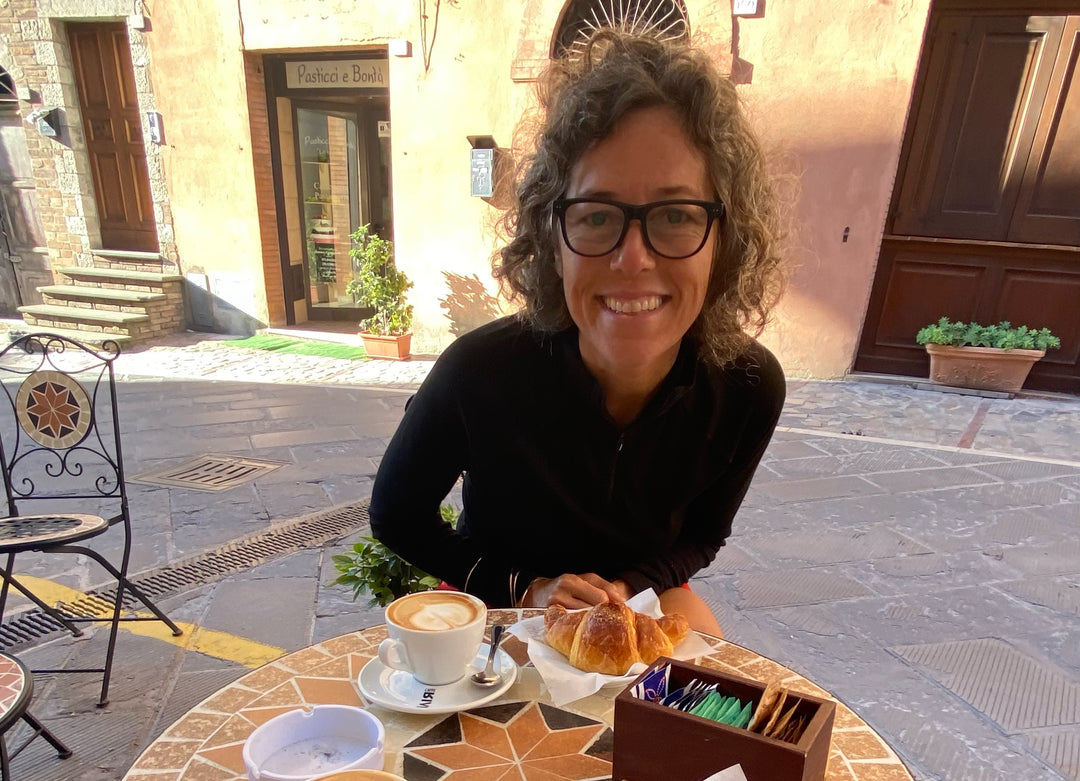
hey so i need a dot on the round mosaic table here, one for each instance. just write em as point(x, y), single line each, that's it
point(518, 736)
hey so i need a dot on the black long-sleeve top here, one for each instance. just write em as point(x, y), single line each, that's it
point(551, 483)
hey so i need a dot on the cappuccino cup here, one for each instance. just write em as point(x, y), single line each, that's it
point(434, 635)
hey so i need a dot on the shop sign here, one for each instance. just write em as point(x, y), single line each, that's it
point(337, 74)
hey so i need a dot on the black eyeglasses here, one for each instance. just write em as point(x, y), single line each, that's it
point(672, 229)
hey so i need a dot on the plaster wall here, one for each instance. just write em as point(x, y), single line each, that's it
point(199, 89)
point(830, 93)
point(463, 89)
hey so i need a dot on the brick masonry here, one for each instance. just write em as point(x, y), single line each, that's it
point(39, 62)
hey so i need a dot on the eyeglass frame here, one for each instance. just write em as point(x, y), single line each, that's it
point(716, 211)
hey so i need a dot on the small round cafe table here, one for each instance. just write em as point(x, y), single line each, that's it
point(516, 737)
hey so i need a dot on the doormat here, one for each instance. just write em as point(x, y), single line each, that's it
point(209, 472)
point(289, 346)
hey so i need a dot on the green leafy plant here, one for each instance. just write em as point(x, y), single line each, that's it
point(374, 569)
point(379, 284)
point(1003, 336)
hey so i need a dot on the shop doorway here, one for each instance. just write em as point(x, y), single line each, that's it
point(343, 181)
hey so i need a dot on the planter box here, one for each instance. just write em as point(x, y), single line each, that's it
point(982, 368)
point(393, 348)
point(654, 742)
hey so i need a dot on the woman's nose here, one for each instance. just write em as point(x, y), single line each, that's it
point(633, 255)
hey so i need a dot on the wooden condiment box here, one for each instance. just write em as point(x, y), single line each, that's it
point(655, 742)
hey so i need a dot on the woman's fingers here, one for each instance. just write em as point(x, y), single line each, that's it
point(573, 591)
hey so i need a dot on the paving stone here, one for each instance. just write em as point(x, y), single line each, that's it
point(1013, 688)
point(792, 449)
point(1056, 593)
point(930, 479)
point(819, 488)
point(1059, 559)
point(802, 587)
point(1060, 748)
point(274, 611)
point(907, 576)
point(733, 558)
point(944, 615)
point(828, 547)
point(1028, 470)
point(936, 732)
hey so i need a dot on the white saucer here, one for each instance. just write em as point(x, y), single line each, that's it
point(398, 690)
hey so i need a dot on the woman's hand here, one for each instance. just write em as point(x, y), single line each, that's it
point(574, 591)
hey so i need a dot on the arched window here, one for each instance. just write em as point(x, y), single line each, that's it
point(666, 17)
point(9, 100)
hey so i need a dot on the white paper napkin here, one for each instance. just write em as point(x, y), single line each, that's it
point(565, 682)
point(733, 773)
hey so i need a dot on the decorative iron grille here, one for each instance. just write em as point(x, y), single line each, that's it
point(664, 18)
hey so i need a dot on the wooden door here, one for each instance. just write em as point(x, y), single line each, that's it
point(985, 223)
point(110, 109)
point(24, 265)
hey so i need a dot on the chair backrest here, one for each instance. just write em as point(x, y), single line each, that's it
point(59, 429)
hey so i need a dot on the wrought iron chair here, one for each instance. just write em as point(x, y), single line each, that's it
point(60, 447)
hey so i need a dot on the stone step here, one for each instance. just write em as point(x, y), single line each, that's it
point(86, 337)
point(92, 316)
point(86, 293)
point(134, 277)
point(127, 254)
point(147, 262)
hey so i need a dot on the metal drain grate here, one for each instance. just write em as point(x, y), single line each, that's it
point(209, 472)
point(308, 531)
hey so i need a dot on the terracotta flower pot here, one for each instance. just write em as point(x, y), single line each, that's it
point(393, 348)
point(981, 368)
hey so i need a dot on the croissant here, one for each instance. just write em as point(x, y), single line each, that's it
point(610, 637)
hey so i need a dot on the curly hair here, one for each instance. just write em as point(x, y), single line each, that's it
point(582, 100)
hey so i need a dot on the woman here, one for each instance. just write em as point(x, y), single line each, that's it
point(608, 433)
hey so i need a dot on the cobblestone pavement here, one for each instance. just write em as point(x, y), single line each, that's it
point(1033, 426)
point(915, 552)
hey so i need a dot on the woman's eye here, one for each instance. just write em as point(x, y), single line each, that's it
point(596, 219)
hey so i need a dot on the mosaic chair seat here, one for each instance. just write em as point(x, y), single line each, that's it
point(60, 448)
point(16, 691)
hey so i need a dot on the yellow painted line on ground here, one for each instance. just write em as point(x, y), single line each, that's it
point(220, 645)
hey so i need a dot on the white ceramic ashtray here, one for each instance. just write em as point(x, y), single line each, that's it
point(303, 744)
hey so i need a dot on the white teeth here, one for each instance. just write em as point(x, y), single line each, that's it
point(636, 305)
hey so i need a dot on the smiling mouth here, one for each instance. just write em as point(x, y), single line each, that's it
point(629, 306)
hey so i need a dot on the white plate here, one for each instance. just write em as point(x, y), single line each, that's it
point(398, 690)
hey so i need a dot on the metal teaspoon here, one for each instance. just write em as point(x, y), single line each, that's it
point(489, 677)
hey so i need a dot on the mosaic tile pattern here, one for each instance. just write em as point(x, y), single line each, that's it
point(53, 409)
point(519, 737)
point(13, 693)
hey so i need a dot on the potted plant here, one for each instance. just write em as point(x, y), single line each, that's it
point(984, 357)
point(379, 284)
point(374, 569)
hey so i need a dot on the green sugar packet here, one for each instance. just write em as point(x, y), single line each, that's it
point(726, 710)
point(729, 714)
point(709, 705)
point(743, 720)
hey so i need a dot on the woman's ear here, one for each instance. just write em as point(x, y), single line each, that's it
point(558, 261)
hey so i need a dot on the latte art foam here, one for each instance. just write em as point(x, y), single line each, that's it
point(433, 612)
point(441, 616)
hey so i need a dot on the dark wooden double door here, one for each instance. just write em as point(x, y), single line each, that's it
point(985, 220)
